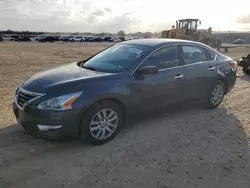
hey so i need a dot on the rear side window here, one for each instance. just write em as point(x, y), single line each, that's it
point(211, 55)
point(193, 54)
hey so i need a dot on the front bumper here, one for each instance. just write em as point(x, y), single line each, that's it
point(48, 124)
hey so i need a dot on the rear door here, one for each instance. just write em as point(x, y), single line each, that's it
point(200, 70)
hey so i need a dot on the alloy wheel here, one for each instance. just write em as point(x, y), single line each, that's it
point(217, 94)
point(103, 124)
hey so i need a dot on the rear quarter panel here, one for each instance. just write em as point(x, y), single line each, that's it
point(225, 71)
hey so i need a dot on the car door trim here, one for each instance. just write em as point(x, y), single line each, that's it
point(179, 45)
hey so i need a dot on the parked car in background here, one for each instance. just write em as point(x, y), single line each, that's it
point(77, 39)
point(111, 39)
point(1, 39)
point(107, 39)
point(129, 38)
point(87, 39)
point(93, 97)
point(67, 38)
point(6, 38)
point(23, 39)
point(40, 37)
point(13, 37)
point(47, 39)
point(122, 38)
point(239, 41)
point(96, 39)
point(116, 39)
point(57, 38)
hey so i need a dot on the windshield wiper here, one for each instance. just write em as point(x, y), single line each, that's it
point(90, 68)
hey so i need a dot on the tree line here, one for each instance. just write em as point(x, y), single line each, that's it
point(21, 32)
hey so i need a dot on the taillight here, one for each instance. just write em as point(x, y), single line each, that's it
point(234, 65)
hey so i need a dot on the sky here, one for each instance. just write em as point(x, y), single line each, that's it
point(116, 15)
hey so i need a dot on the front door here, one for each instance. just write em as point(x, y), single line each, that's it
point(165, 87)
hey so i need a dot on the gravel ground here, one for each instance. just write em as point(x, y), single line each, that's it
point(174, 147)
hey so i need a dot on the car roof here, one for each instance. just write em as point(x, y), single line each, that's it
point(158, 42)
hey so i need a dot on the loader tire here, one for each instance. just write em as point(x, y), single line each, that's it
point(246, 70)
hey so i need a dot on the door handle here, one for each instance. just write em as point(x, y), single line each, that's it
point(211, 68)
point(178, 76)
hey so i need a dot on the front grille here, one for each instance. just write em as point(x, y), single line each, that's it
point(23, 98)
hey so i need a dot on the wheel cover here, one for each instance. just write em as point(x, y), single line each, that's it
point(103, 124)
point(217, 94)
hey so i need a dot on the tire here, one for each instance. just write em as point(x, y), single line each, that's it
point(91, 116)
point(220, 85)
point(246, 71)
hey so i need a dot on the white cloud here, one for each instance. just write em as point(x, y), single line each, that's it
point(112, 16)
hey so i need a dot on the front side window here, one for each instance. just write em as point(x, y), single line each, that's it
point(163, 58)
point(193, 54)
point(117, 58)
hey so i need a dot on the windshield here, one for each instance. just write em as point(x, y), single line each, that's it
point(117, 58)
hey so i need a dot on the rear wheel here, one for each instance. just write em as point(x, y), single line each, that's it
point(101, 123)
point(217, 94)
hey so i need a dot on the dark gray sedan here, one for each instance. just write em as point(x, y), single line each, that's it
point(93, 97)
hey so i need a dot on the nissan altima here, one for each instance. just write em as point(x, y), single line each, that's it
point(93, 97)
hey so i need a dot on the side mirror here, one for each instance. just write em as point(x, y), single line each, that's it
point(148, 70)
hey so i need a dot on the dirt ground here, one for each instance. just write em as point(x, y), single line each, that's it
point(188, 147)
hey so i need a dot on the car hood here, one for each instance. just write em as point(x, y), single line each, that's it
point(59, 75)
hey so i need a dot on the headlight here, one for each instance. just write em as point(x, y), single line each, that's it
point(59, 103)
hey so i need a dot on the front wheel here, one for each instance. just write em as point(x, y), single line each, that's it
point(217, 94)
point(101, 123)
